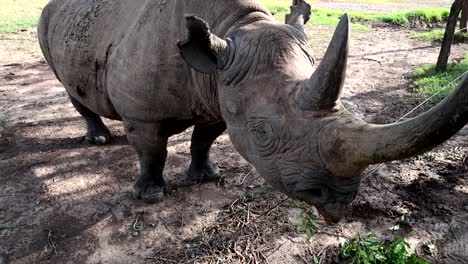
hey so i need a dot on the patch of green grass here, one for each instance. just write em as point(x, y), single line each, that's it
point(382, 2)
point(288, 2)
point(19, 14)
point(433, 35)
point(428, 15)
point(279, 8)
point(369, 250)
point(438, 35)
point(428, 82)
point(332, 17)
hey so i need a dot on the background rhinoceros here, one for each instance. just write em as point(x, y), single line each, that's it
point(237, 68)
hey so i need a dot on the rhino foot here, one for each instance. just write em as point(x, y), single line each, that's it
point(98, 137)
point(149, 194)
point(98, 133)
point(205, 171)
point(98, 140)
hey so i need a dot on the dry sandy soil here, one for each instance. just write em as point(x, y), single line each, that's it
point(65, 201)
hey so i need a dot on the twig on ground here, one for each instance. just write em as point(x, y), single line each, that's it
point(165, 260)
point(51, 242)
point(138, 225)
point(245, 177)
point(303, 258)
point(182, 222)
point(275, 207)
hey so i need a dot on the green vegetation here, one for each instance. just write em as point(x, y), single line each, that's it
point(434, 35)
point(331, 17)
point(279, 8)
point(308, 221)
point(288, 2)
point(428, 15)
point(428, 82)
point(19, 14)
point(438, 35)
point(383, 2)
point(369, 250)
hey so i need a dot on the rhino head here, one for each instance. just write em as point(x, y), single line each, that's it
point(285, 116)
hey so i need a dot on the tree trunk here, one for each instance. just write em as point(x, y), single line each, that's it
point(464, 17)
point(449, 35)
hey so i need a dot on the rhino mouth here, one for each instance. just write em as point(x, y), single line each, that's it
point(331, 211)
point(333, 216)
point(333, 200)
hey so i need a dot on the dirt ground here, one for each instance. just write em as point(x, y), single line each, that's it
point(65, 201)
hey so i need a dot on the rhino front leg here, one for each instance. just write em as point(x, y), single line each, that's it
point(97, 133)
point(202, 168)
point(150, 142)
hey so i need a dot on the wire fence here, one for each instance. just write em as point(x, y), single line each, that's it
point(416, 108)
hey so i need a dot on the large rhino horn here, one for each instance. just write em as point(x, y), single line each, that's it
point(323, 89)
point(348, 144)
point(365, 144)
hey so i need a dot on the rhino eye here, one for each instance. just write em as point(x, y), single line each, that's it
point(263, 134)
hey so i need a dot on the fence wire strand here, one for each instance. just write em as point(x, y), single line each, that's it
point(414, 109)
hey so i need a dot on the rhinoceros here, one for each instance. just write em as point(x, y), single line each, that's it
point(163, 66)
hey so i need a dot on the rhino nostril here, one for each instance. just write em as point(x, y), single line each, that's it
point(316, 192)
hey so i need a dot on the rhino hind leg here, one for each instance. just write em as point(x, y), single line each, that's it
point(97, 133)
point(201, 167)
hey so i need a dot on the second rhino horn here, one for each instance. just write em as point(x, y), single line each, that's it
point(323, 89)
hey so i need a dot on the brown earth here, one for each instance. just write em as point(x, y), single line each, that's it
point(65, 201)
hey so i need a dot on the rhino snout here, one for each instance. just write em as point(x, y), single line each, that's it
point(332, 198)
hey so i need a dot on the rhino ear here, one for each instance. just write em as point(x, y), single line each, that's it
point(203, 51)
point(300, 14)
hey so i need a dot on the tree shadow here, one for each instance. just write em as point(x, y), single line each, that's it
point(57, 188)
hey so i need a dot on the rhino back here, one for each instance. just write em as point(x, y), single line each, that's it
point(76, 37)
point(120, 58)
point(148, 78)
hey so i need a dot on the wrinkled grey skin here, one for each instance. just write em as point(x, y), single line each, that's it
point(124, 60)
